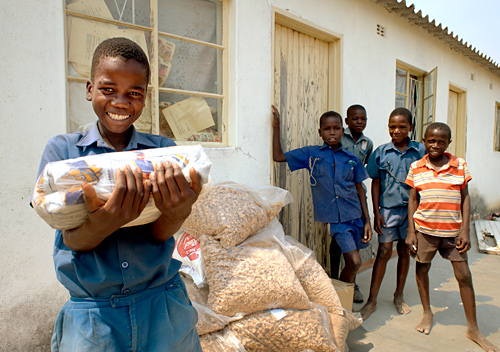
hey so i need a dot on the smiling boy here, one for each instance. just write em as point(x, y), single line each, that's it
point(126, 291)
point(439, 184)
point(338, 197)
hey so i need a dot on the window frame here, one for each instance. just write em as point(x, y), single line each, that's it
point(222, 70)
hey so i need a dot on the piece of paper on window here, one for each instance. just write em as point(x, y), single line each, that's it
point(86, 35)
point(188, 116)
point(96, 8)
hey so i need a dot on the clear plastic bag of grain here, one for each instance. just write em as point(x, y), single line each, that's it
point(221, 341)
point(250, 277)
point(312, 276)
point(341, 325)
point(208, 320)
point(287, 330)
point(232, 212)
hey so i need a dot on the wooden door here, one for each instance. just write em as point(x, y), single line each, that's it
point(301, 64)
point(457, 120)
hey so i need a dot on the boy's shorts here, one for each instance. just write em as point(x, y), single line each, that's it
point(396, 224)
point(348, 235)
point(428, 245)
point(157, 319)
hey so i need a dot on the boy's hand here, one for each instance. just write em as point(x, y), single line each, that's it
point(172, 193)
point(126, 203)
point(276, 114)
point(367, 233)
point(378, 221)
point(463, 241)
point(411, 241)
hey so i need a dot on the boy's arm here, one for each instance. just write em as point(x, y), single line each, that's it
point(378, 220)
point(411, 238)
point(128, 200)
point(367, 234)
point(174, 197)
point(463, 242)
point(278, 155)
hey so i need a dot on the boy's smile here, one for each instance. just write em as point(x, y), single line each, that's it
point(118, 94)
point(331, 131)
point(436, 142)
point(399, 128)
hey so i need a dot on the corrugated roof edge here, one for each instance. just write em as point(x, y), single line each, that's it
point(416, 18)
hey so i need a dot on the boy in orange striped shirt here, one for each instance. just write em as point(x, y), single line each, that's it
point(441, 223)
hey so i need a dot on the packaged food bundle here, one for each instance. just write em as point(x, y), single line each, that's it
point(232, 212)
point(58, 195)
point(288, 330)
point(342, 325)
point(250, 277)
point(221, 341)
point(208, 320)
point(188, 252)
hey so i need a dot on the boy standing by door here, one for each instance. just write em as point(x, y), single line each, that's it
point(336, 176)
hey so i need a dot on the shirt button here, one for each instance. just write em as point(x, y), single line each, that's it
point(126, 291)
point(116, 300)
point(125, 265)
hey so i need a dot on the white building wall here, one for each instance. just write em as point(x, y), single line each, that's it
point(33, 100)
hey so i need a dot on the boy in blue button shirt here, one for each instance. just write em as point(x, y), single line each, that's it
point(125, 288)
point(388, 168)
point(336, 176)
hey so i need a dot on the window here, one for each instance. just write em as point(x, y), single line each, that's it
point(497, 127)
point(416, 91)
point(185, 42)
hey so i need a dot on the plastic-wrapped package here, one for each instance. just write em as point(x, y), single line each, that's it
point(188, 252)
point(314, 279)
point(221, 341)
point(342, 325)
point(250, 277)
point(232, 212)
point(208, 320)
point(58, 195)
point(287, 330)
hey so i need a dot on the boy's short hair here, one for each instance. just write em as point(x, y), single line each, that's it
point(120, 47)
point(438, 126)
point(403, 112)
point(352, 108)
point(329, 114)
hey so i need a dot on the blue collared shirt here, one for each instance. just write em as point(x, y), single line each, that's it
point(128, 260)
point(362, 148)
point(391, 166)
point(333, 176)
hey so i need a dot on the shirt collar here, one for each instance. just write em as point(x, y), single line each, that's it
point(452, 160)
point(347, 131)
point(411, 145)
point(94, 136)
point(326, 146)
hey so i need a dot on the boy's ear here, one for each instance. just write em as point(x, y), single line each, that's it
point(412, 126)
point(346, 121)
point(89, 91)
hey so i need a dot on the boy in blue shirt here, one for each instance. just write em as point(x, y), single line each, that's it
point(336, 176)
point(357, 143)
point(125, 288)
point(388, 168)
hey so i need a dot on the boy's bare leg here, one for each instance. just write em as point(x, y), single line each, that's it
point(422, 275)
point(402, 274)
point(464, 278)
point(384, 253)
point(352, 265)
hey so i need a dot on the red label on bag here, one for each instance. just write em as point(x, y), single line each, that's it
point(188, 246)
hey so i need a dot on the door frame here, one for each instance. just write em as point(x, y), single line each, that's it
point(460, 137)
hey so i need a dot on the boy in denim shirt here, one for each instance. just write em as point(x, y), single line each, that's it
point(388, 168)
point(338, 197)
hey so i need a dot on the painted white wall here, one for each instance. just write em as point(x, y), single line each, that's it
point(33, 101)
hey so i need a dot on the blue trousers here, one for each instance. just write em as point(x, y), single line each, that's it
point(154, 320)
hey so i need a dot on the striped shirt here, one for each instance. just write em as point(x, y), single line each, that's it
point(439, 211)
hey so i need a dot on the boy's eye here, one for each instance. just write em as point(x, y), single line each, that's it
point(107, 90)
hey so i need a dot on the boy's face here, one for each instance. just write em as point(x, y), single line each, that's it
point(399, 128)
point(118, 93)
point(436, 142)
point(331, 130)
point(356, 121)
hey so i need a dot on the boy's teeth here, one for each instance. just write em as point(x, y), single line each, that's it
point(117, 117)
